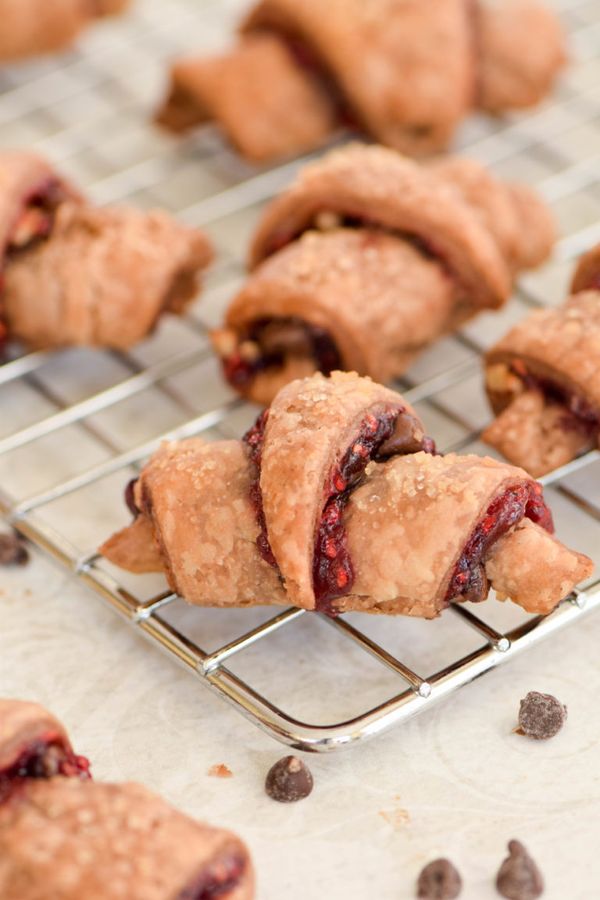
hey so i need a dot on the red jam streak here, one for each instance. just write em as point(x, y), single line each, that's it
point(333, 575)
point(220, 878)
point(239, 372)
point(43, 758)
point(520, 501)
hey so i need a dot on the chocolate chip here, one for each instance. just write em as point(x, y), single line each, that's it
point(518, 877)
point(289, 780)
point(13, 551)
point(439, 880)
point(541, 716)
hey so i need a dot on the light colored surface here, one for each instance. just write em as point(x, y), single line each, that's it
point(455, 781)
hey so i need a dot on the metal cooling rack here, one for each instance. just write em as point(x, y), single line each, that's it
point(77, 425)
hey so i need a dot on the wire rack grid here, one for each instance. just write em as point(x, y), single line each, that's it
point(76, 426)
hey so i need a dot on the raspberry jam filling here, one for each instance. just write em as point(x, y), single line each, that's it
point(44, 758)
point(469, 581)
point(333, 574)
point(217, 881)
point(578, 406)
point(379, 436)
point(272, 340)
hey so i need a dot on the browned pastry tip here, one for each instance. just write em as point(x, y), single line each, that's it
point(543, 382)
point(366, 259)
point(264, 104)
point(333, 506)
point(587, 273)
point(521, 48)
point(514, 214)
point(513, 567)
point(31, 27)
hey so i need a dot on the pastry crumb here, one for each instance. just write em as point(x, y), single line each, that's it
point(220, 770)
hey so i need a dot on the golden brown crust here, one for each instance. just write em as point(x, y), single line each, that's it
point(515, 215)
point(355, 284)
point(522, 50)
point(382, 255)
point(74, 274)
point(68, 839)
point(197, 497)
point(23, 724)
point(422, 509)
point(31, 27)
point(385, 61)
point(264, 103)
point(388, 190)
point(406, 525)
point(405, 72)
point(560, 347)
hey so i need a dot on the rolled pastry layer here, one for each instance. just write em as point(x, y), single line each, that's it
point(367, 258)
point(405, 72)
point(31, 27)
point(335, 502)
point(77, 275)
point(543, 381)
point(62, 835)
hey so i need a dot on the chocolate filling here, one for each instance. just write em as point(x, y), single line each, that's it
point(43, 758)
point(391, 432)
point(254, 439)
point(276, 339)
point(217, 880)
point(525, 500)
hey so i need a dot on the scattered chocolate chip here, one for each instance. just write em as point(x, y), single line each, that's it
point(13, 551)
point(439, 880)
point(541, 716)
point(289, 780)
point(518, 877)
